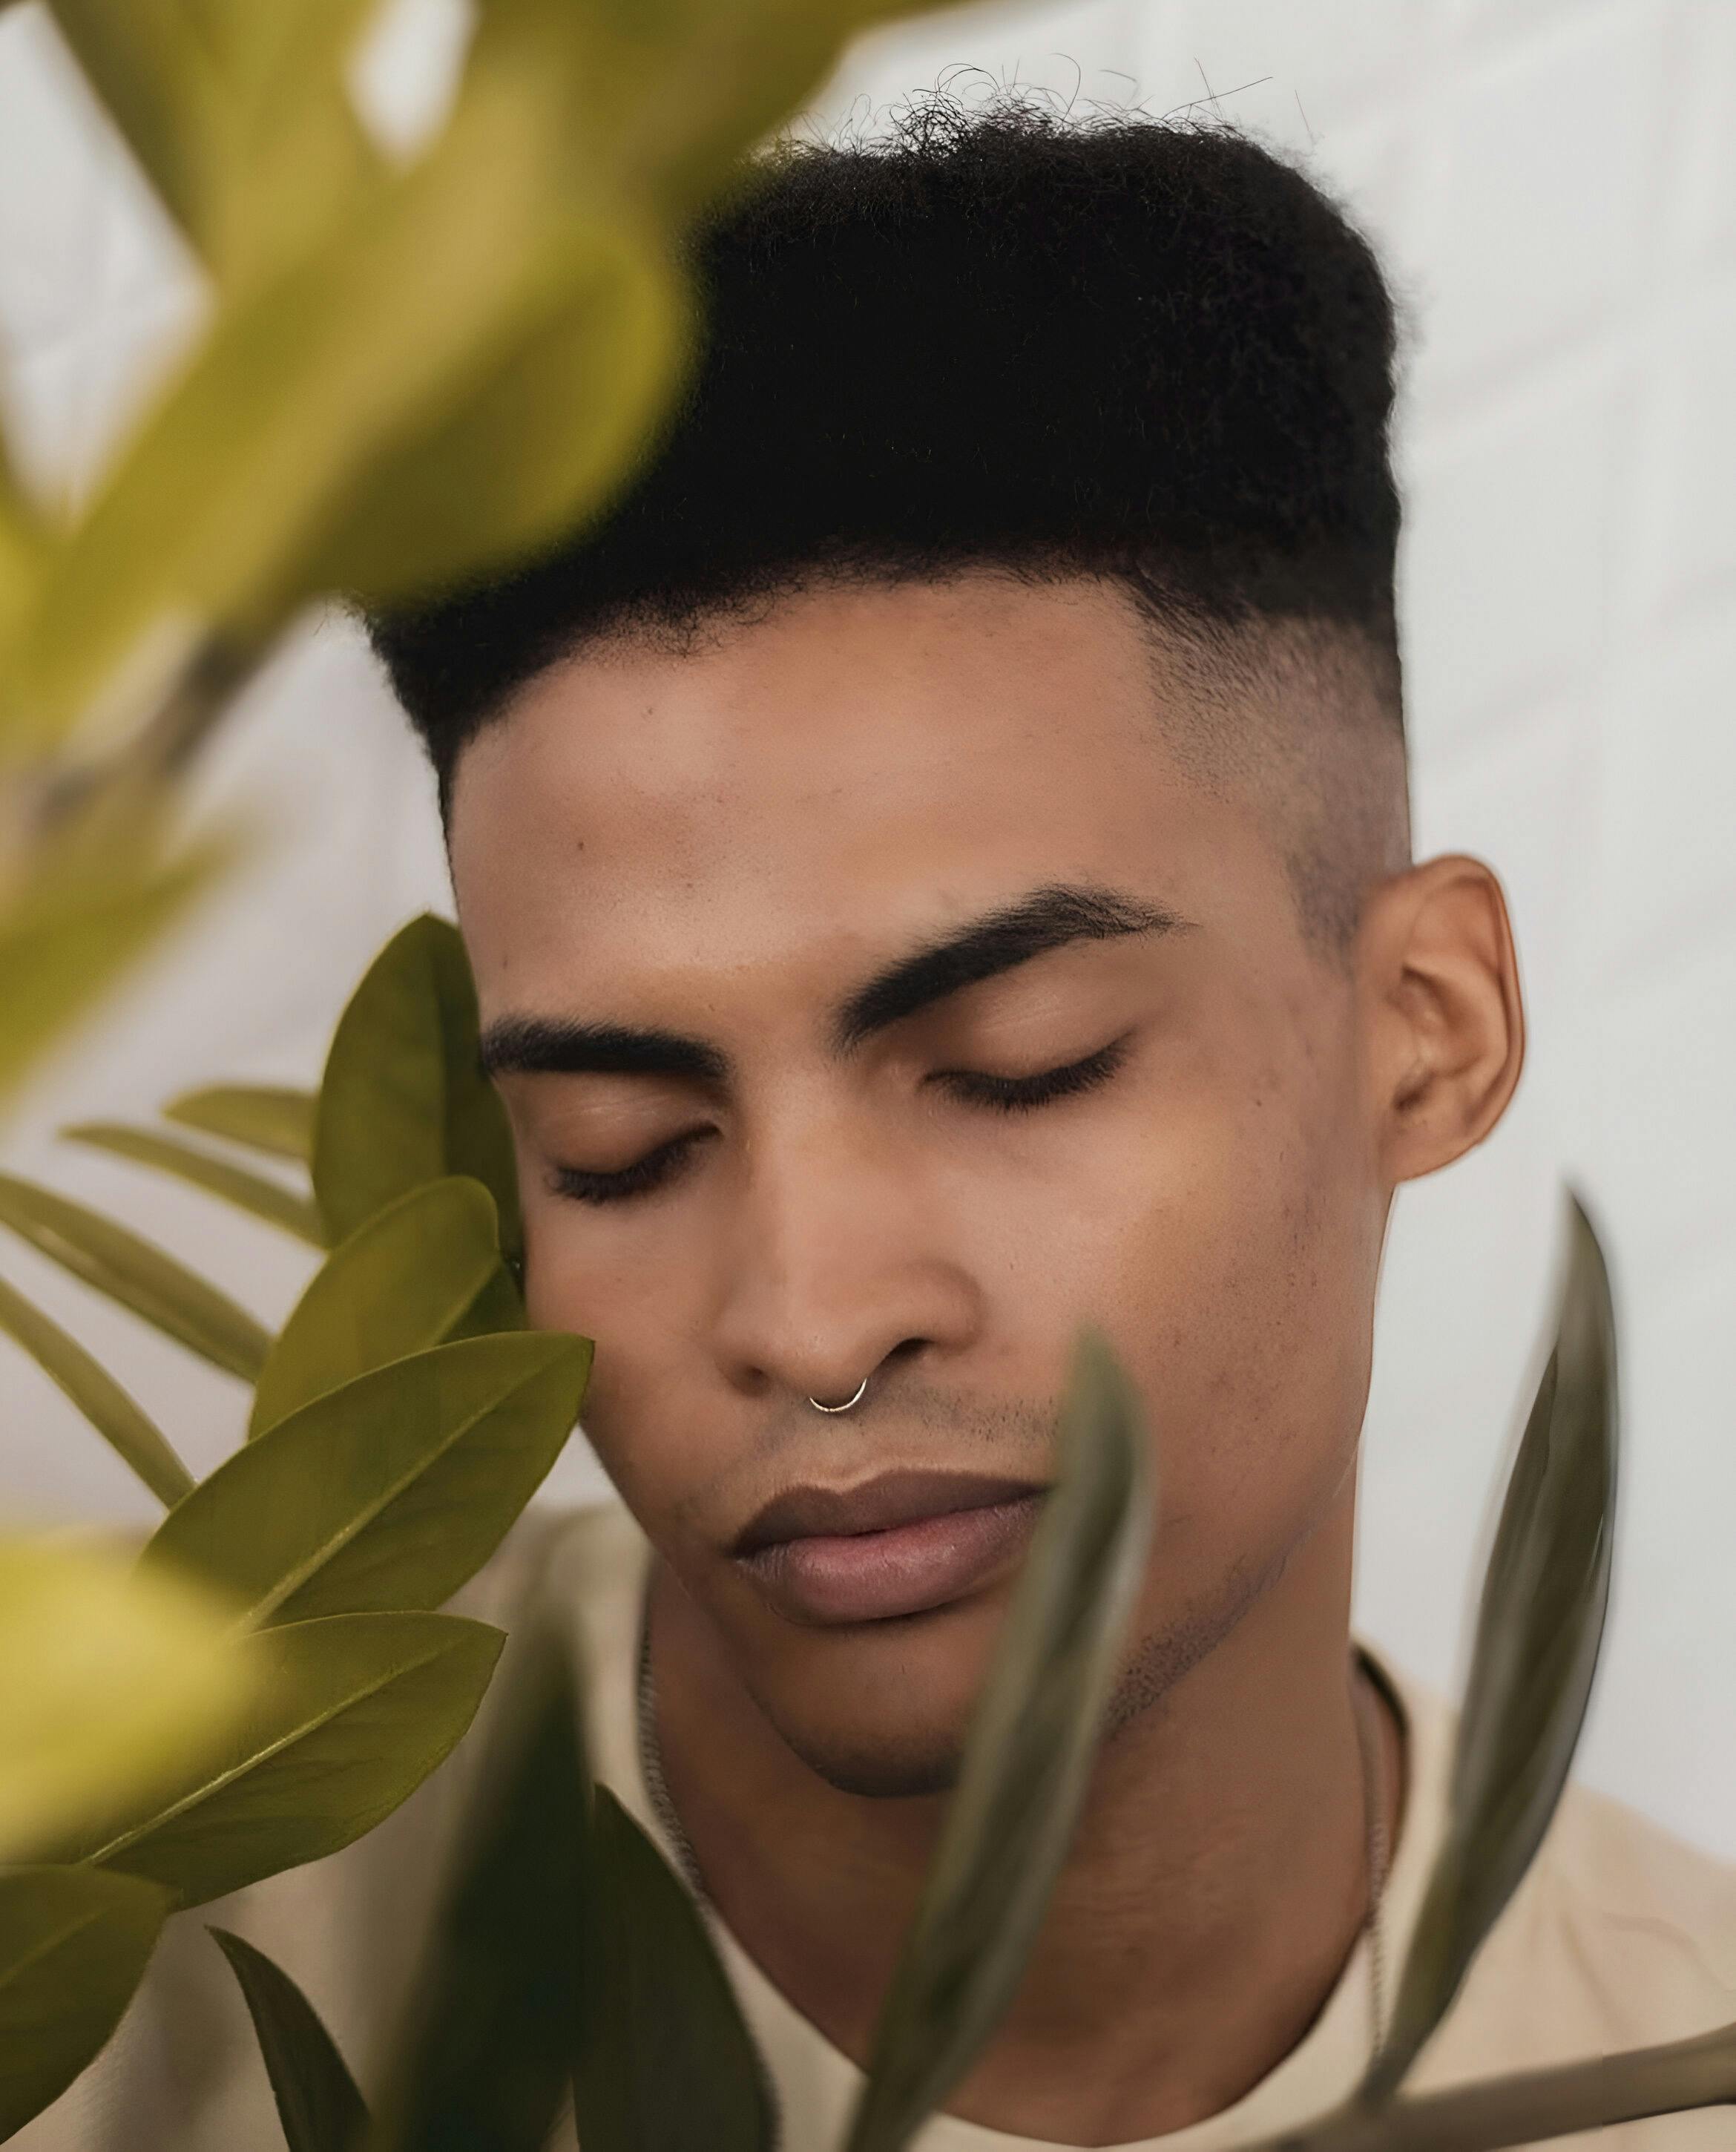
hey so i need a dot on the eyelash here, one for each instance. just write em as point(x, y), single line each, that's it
point(1000, 1094)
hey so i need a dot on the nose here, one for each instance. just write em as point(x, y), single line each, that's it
point(841, 1263)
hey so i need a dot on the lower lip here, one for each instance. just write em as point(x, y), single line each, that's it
point(910, 1569)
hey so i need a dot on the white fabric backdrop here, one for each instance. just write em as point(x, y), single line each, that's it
point(1553, 184)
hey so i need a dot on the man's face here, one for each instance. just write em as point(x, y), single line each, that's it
point(764, 1154)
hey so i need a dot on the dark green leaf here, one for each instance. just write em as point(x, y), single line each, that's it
point(404, 1099)
point(349, 1716)
point(1539, 1628)
point(500, 1306)
point(265, 1117)
point(661, 2037)
point(317, 2102)
point(73, 1946)
point(399, 1284)
point(1027, 1761)
point(249, 1191)
point(140, 1276)
point(487, 2064)
point(94, 1391)
point(388, 1493)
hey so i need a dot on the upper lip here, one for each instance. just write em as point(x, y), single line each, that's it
point(877, 1505)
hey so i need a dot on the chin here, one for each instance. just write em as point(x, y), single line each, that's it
point(889, 1766)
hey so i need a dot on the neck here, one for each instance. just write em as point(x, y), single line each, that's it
point(1216, 1886)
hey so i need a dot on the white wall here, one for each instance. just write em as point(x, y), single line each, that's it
point(1553, 183)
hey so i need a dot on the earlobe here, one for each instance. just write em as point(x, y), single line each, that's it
point(1445, 1018)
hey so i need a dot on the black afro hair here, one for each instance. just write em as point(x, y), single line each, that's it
point(1120, 346)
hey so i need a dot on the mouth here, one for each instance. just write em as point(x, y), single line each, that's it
point(905, 1543)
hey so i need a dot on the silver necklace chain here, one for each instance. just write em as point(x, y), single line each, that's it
point(1365, 1709)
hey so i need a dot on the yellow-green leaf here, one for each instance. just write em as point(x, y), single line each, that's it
point(248, 1191)
point(1539, 1629)
point(237, 115)
point(73, 1946)
point(317, 2101)
point(104, 1675)
point(389, 1492)
point(404, 1099)
point(265, 1117)
point(65, 940)
point(537, 442)
point(129, 1431)
point(226, 500)
point(399, 1284)
point(349, 1716)
point(139, 1276)
point(1027, 1761)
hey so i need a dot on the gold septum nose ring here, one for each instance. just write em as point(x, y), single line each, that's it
point(861, 1393)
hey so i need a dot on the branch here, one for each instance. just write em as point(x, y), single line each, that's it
point(1535, 2105)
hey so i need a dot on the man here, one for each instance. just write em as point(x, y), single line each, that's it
point(936, 863)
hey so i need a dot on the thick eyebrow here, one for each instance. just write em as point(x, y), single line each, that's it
point(1000, 940)
point(997, 942)
point(556, 1046)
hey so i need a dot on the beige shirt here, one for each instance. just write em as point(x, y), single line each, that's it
point(1619, 1936)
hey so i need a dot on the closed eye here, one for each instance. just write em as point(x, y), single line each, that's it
point(655, 1170)
point(1020, 1094)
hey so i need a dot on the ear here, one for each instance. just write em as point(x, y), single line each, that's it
point(1444, 1025)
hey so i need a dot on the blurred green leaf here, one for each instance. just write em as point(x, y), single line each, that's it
point(669, 96)
point(67, 937)
point(73, 1946)
point(251, 1192)
point(1027, 1760)
point(94, 1391)
point(348, 1717)
point(1539, 1629)
point(140, 1276)
point(661, 2036)
point(24, 544)
point(105, 1678)
point(237, 114)
point(223, 508)
point(540, 437)
point(398, 1284)
point(500, 1306)
point(317, 2102)
point(389, 1492)
point(404, 1099)
point(486, 2065)
point(266, 1117)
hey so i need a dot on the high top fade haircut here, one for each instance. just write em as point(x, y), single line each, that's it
point(1118, 348)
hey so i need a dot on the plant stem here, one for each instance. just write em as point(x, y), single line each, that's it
point(1532, 2107)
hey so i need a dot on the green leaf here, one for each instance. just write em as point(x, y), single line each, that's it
point(389, 1492)
point(661, 2039)
point(486, 2064)
point(221, 512)
point(317, 2102)
point(94, 1391)
point(106, 1677)
point(398, 1284)
point(404, 1099)
point(226, 109)
point(541, 438)
point(1027, 1761)
point(1539, 1629)
point(251, 1192)
point(265, 1117)
point(139, 1276)
point(66, 938)
point(73, 1946)
point(349, 1716)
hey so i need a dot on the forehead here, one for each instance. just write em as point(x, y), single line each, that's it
point(851, 769)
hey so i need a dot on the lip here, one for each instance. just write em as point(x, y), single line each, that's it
point(905, 1543)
